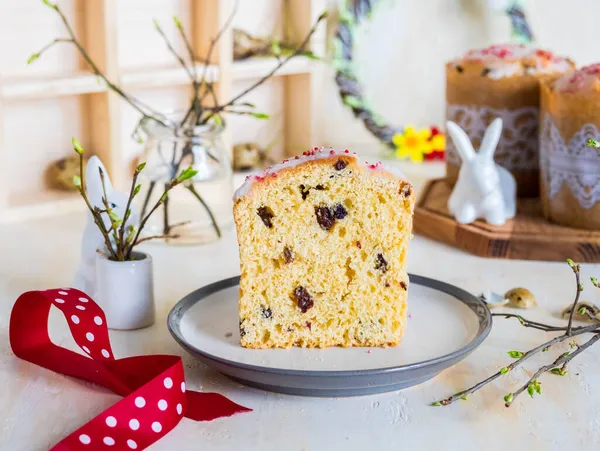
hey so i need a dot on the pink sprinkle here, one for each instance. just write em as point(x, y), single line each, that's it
point(347, 151)
point(410, 315)
point(369, 351)
point(331, 152)
point(316, 148)
point(285, 161)
point(296, 157)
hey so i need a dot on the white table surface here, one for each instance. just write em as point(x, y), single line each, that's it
point(39, 407)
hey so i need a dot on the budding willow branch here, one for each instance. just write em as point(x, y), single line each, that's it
point(533, 385)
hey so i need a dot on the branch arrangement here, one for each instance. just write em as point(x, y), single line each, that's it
point(198, 113)
point(558, 366)
point(120, 237)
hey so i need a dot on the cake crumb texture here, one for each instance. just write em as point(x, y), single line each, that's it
point(323, 249)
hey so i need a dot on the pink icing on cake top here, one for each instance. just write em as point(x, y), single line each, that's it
point(585, 79)
point(316, 153)
point(506, 60)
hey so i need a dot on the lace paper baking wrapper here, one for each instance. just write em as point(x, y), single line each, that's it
point(518, 146)
point(572, 163)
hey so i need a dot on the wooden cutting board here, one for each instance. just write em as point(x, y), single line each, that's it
point(527, 237)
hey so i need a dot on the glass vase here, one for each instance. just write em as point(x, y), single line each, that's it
point(199, 210)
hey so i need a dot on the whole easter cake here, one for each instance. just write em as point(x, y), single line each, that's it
point(501, 81)
point(323, 241)
point(570, 168)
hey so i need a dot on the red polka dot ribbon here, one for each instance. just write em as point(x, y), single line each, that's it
point(153, 386)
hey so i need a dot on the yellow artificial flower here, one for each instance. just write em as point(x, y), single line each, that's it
point(438, 142)
point(413, 144)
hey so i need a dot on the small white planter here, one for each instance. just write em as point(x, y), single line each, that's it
point(125, 291)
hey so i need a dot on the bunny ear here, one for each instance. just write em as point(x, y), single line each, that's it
point(461, 141)
point(93, 182)
point(491, 138)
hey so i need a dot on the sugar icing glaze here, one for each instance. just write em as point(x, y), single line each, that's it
point(506, 60)
point(316, 153)
point(585, 79)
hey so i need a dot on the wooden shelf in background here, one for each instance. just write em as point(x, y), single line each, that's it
point(527, 237)
point(260, 66)
point(164, 77)
point(37, 88)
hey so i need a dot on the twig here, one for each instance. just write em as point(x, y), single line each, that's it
point(190, 187)
point(563, 359)
point(295, 53)
point(132, 194)
point(515, 364)
point(166, 228)
point(155, 237)
point(138, 105)
point(577, 270)
point(147, 199)
point(529, 323)
point(174, 52)
point(533, 385)
point(97, 216)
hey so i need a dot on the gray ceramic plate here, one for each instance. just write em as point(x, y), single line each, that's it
point(445, 325)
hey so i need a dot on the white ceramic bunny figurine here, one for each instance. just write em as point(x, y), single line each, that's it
point(85, 279)
point(484, 189)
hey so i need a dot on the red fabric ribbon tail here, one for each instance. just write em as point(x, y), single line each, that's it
point(209, 406)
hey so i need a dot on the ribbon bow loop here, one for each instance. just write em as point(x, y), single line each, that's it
point(153, 386)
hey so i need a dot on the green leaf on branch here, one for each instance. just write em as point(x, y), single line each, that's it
point(581, 311)
point(323, 15)
point(594, 281)
point(558, 371)
point(113, 217)
point(140, 167)
point(136, 190)
point(217, 120)
point(178, 23)
point(504, 370)
point(77, 146)
point(515, 354)
point(77, 181)
point(353, 102)
point(260, 115)
point(276, 48)
point(594, 143)
point(186, 174)
point(32, 58)
point(50, 4)
point(436, 404)
point(508, 398)
point(530, 390)
point(311, 55)
point(570, 262)
point(537, 387)
point(131, 234)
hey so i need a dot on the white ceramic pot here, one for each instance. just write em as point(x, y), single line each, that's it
point(125, 291)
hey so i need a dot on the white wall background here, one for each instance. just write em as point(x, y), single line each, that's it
point(401, 53)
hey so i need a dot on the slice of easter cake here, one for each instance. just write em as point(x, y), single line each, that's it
point(323, 241)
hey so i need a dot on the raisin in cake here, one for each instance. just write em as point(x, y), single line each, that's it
point(323, 241)
point(501, 81)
